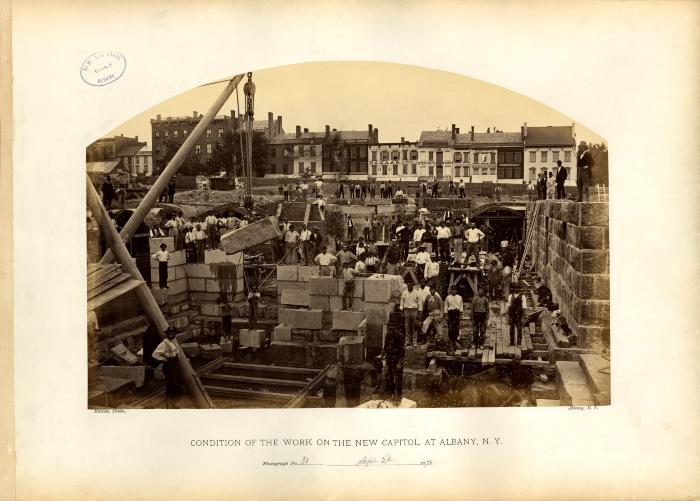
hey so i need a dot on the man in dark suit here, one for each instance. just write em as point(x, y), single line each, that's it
point(560, 179)
point(584, 163)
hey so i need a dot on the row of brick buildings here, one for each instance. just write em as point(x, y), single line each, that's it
point(505, 157)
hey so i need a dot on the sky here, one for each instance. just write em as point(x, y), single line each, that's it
point(399, 100)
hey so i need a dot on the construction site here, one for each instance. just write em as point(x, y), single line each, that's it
point(255, 327)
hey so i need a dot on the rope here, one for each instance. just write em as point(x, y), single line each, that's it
point(240, 137)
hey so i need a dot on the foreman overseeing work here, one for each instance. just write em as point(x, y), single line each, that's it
point(239, 266)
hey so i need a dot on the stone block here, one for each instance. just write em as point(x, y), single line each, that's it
point(302, 335)
point(177, 258)
point(287, 273)
point(323, 286)
point(210, 351)
point(570, 212)
point(212, 285)
point(179, 321)
point(297, 286)
point(330, 336)
point(308, 319)
point(358, 305)
point(336, 303)
point(295, 297)
point(593, 286)
point(378, 288)
point(319, 302)
point(288, 353)
point(196, 284)
point(154, 244)
point(177, 286)
point(374, 337)
point(593, 214)
point(306, 272)
point(199, 271)
point(186, 335)
point(593, 261)
point(214, 256)
point(347, 320)
point(204, 297)
point(137, 373)
point(588, 237)
point(179, 272)
point(190, 349)
point(286, 316)
point(351, 349)
point(359, 291)
point(282, 332)
point(592, 312)
point(253, 338)
point(324, 354)
point(122, 354)
point(210, 309)
point(378, 313)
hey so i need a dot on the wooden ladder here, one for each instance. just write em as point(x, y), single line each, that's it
point(528, 241)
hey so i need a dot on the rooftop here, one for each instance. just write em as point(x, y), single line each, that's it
point(550, 136)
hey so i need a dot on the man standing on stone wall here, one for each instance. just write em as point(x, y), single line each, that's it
point(305, 242)
point(162, 256)
point(349, 289)
point(433, 305)
point(473, 236)
point(515, 317)
point(560, 179)
point(480, 317)
point(453, 309)
point(291, 239)
point(411, 306)
point(200, 240)
point(584, 164)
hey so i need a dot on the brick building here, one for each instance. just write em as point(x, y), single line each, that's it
point(394, 160)
point(180, 127)
point(545, 145)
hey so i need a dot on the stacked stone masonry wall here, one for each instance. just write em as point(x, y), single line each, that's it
point(572, 252)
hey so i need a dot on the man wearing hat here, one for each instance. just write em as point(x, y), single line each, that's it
point(411, 304)
point(560, 179)
point(422, 258)
point(168, 353)
point(474, 236)
point(584, 163)
point(162, 256)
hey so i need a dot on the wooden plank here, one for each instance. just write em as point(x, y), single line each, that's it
point(122, 277)
point(251, 235)
point(256, 380)
point(249, 394)
point(273, 368)
point(100, 278)
point(113, 293)
point(485, 357)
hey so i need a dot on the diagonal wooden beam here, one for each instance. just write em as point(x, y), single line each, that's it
point(171, 169)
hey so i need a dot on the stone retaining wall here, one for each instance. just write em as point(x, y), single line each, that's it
point(571, 248)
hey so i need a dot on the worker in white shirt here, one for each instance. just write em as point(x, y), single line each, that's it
point(453, 308)
point(422, 258)
point(319, 186)
point(162, 256)
point(211, 221)
point(411, 304)
point(200, 240)
point(168, 353)
point(443, 240)
point(171, 225)
point(291, 239)
point(360, 266)
point(361, 247)
point(349, 289)
point(190, 246)
point(418, 235)
point(433, 305)
point(325, 261)
point(306, 245)
point(474, 237)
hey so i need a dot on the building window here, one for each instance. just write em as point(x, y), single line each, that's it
point(405, 168)
point(533, 157)
point(363, 152)
point(394, 155)
point(493, 158)
point(221, 133)
point(166, 133)
point(484, 170)
point(197, 149)
point(466, 172)
point(543, 156)
point(396, 169)
point(567, 156)
point(430, 157)
point(353, 167)
point(353, 152)
point(174, 133)
point(287, 170)
point(430, 170)
point(512, 172)
point(208, 133)
point(384, 170)
point(555, 156)
point(568, 172)
point(456, 171)
point(374, 156)
point(493, 171)
point(414, 169)
point(157, 135)
point(518, 157)
point(313, 166)
point(301, 166)
point(414, 155)
point(458, 157)
point(476, 158)
point(405, 154)
point(208, 148)
point(312, 151)
point(385, 155)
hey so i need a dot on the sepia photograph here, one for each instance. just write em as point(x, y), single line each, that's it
point(346, 234)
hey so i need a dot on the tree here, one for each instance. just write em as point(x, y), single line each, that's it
point(227, 154)
point(191, 166)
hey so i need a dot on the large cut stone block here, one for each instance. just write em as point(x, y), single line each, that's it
point(199, 271)
point(323, 286)
point(196, 284)
point(177, 286)
point(295, 298)
point(154, 244)
point(593, 214)
point(210, 309)
point(588, 237)
point(214, 256)
point(178, 258)
point(336, 303)
point(306, 272)
point(374, 337)
point(212, 285)
point(255, 233)
point(378, 313)
point(593, 286)
point(286, 315)
point(137, 373)
point(210, 351)
point(592, 312)
point(297, 286)
point(319, 303)
point(253, 338)
point(287, 273)
point(190, 349)
point(593, 261)
point(282, 332)
point(358, 305)
point(351, 349)
point(308, 319)
point(378, 288)
point(288, 353)
point(347, 320)
point(359, 291)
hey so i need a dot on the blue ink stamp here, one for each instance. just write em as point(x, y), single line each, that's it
point(102, 68)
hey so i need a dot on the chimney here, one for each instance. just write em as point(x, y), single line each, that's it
point(369, 130)
point(269, 124)
point(137, 138)
point(157, 117)
point(233, 114)
point(298, 131)
point(453, 132)
point(376, 136)
point(306, 130)
point(457, 130)
point(402, 139)
point(573, 130)
point(121, 135)
point(525, 130)
point(194, 114)
point(328, 131)
point(279, 124)
point(472, 133)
